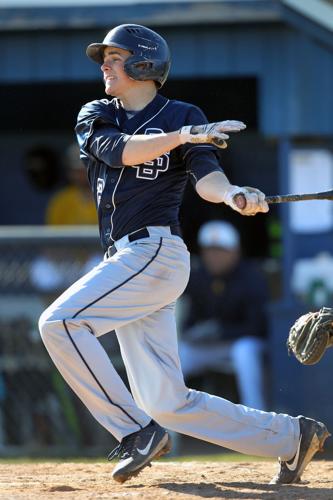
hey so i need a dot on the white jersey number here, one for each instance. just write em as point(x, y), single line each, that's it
point(99, 189)
point(150, 169)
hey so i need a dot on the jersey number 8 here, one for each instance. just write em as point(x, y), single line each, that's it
point(150, 169)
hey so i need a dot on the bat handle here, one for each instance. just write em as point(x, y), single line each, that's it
point(239, 200)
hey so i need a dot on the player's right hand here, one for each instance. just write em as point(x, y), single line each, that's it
point(254, 200)
point(213, 133)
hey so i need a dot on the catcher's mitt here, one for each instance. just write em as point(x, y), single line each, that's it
point(311, 335)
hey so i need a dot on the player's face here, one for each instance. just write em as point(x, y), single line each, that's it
point(114, 76)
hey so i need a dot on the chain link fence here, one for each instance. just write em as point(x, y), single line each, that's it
point(39, 413)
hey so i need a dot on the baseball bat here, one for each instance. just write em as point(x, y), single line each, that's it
point(240, 200)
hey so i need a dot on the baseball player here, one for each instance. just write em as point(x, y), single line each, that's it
point(140, 149)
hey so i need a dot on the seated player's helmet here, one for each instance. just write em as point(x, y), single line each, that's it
point(150, 58)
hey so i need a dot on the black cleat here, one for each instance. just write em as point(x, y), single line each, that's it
point(312, 438)
point(137, 450)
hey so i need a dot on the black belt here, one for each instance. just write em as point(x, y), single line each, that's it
point(143, 233)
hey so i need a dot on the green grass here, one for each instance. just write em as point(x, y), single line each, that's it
point(223, 457)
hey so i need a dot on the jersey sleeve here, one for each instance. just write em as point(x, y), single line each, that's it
point(200, 159)
point(98, 134)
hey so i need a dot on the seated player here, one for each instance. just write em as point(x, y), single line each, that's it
point(225, 327)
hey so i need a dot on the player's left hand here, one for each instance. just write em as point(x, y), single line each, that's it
point(212, 133)
point(255, 200)
point(231, 126)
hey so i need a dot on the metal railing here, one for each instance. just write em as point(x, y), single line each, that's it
point(39, 414)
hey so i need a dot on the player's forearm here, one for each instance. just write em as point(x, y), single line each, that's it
point(142, 148)
point(213, 187)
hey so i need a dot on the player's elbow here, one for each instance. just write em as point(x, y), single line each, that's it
point(126, 159)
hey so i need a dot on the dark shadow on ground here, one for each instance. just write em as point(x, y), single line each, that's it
point(233, 490)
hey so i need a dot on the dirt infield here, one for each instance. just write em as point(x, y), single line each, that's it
point(170, 480)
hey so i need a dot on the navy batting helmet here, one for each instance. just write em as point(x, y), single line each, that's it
point(150, 59)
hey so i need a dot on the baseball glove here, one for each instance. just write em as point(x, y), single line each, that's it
point(311, 335)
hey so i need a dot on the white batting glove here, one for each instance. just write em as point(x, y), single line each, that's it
point(212, 133)
point(254, 200)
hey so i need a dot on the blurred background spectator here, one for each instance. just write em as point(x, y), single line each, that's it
point(56, 411)
point(42, 167)
point(225, 326)
point(74, 203)
point(56, 268)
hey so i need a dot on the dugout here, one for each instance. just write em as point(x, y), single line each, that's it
point(244, 162)
point(269, 60)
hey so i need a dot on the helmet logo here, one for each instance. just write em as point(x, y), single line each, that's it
point(146, 47)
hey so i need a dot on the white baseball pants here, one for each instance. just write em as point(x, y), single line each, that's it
point(134, 293)
point(243, 357)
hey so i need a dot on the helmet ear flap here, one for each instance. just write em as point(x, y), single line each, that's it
point(142, 70)
point(138, 68)
point(144, 67)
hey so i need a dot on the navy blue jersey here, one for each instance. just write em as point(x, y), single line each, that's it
point(149, 194)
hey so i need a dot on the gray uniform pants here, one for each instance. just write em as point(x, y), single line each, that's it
point(134, 292)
